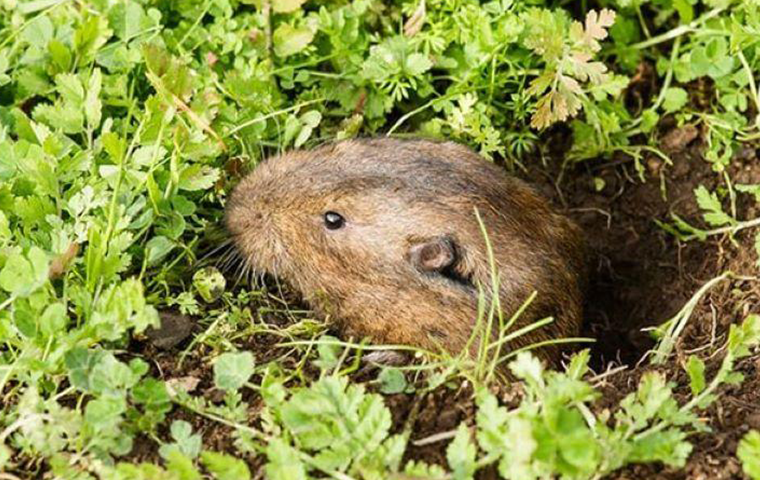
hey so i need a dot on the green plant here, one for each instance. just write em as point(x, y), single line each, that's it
point(668, 333)
point(749, 453)
point(338, 428)
point(555, 432)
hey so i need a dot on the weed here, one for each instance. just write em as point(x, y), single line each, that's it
point(749, 453)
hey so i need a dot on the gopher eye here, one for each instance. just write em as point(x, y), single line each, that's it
point(334, 221)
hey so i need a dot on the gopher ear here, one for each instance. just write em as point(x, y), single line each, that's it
point(433, 255)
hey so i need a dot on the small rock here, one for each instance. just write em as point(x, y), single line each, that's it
point(753, 420)
point(654, 165)
point(389, 358)
point(174, 328)
point(678, 138)
point(448, 419)
point(182, 384)
point(214, 395)
point(746, 153)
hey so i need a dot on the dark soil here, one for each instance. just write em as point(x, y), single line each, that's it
point(643, 276)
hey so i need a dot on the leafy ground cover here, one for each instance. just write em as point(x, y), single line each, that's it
point(124, 125)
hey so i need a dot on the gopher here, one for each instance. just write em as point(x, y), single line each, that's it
point(406, 241)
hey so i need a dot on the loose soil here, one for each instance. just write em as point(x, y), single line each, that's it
point(643, 276)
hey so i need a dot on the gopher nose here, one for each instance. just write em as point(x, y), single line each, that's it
point(248, 220)
point(241, 219)
point(256, 217)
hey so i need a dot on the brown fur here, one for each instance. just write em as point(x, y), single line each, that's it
point(395, 194)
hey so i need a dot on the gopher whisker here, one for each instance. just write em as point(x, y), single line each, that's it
point(225, 245)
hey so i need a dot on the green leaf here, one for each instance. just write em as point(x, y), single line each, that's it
point(173, 75)
point(289, 40)
point(749, 454)
point(309, 122)
point(92, 104)
point(54, 319)
point(461, 454)
point(5, 229)
point(5, 456)
point(22, 275)
point(712, 59)
point(120, 308)
point(80, 362)
point(185, 441)
point(283, 462)
point(38, 32)
point(225, 467)
point(232, 370)
point(67, 117)
point(329, 353)
point(126, 19)
point(12, 276)
point(528, 368)
point(157, 248)
point(419, 469)
point(392, 380)
point(91, 34)
point(417, 64)
point(340, 421)
point(744, 336)
point(210, 283)
point(649, 120)
point(669, 446)
point(286, 6)
point(180, 465)
point(105, 412)
point(70, 88)
point(695, 367)
point(578, 366)
point(714, 214)
point(675, 99)
point(99, 372)
point(685, 10)
point(152, 394)
point(272, 389)
point(198, 177)
point(311, 118)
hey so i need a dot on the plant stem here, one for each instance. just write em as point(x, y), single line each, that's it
point(678, 31)
point(6, 303)
point(728, 229)
point(256, 120)
point(679, 321)
point(750, 76)
point(643, 22)
point(668, 75)
point(195, 24)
